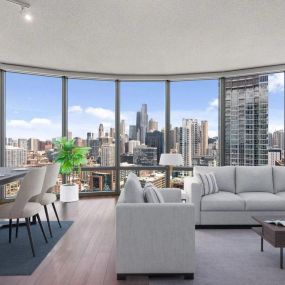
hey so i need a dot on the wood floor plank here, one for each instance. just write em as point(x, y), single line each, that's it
point(85, 255)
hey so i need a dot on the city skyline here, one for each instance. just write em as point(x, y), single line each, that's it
point(28, 117)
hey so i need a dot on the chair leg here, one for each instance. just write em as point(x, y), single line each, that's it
point(41, 226)
point(10, 230)
point(47, 216)
point(17, 228)
point(56, 214)
point(30, 235)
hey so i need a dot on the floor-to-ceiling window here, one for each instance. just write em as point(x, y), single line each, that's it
point(33, 121)
point(91, 122)
point(194, 124)
point(254, 120)
point(142, 129)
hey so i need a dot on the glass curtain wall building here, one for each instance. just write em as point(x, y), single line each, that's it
point(128, 125)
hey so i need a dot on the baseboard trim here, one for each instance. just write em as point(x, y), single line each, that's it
point(187, 276)
point(198, 227)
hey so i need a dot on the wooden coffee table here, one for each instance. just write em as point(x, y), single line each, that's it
point(275, 235)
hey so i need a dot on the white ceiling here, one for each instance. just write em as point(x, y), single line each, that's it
point(155, 37)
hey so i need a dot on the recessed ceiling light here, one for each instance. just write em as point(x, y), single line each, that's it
point(27, 15)
point(25, 9)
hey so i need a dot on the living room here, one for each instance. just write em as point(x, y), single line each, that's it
point(142, 142)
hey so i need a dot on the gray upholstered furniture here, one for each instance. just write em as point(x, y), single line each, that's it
point(22, 207)
point(47, 197)
point(155, 238)
point(244, 191)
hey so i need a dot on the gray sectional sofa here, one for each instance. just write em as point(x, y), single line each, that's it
point(244, 191)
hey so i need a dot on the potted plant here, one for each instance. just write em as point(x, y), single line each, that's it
point(70, 157)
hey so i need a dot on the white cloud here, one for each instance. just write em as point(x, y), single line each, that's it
point(276, 82)
point(101, 113)
point(35, 122)
point(18, 124)
point(75, 109)
point(40, 122)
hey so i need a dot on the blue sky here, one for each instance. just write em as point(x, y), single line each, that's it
point(34, 104)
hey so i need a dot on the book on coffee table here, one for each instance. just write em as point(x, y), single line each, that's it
point(276, 222)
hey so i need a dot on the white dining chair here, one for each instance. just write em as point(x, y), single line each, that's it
point(30, 186)
point(46, 197)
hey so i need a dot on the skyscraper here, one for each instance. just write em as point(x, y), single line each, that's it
point(204, 137)
point(246, 120)
point(133, 132)
point(278, 139)
point(145, 155)
point(185, 145)
point(142, 123)
point(101, 131)
point(155, 139)
point(132, 144)
point(15, 156)
point(33, 144)
point(112, 133)
point(152, 125)
point(108, 155)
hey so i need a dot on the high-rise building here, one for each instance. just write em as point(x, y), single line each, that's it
point(155, 139)
point(15, 156)
point(112, 133)
point(33, 144)
point(122, 136)
point(133, 132)
point(204, 137)
point(246, 120)
point(152, 125)
point(145, 155)
point(132, 144)
point(101, 131)
point(278, 139)
point(108, 155)
point(23, 143)
point(185, 145)
point(274, 155)
point(90, 137)
point(142, 123)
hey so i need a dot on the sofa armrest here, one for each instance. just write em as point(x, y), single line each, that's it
point(171, 195)
point(155, 238)
point(194, 189)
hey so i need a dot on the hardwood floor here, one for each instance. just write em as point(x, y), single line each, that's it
point(86, 253)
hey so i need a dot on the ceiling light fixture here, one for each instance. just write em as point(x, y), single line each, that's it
point(25, 9)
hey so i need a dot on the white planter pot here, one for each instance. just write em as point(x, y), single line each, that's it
point(69, 193)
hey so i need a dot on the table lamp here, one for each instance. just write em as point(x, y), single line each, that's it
point(170, 160)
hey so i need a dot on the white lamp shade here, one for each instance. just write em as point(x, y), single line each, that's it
point(172, 159)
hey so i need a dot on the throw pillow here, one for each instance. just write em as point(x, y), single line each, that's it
point(152, 194)
point(209, 183)
point(133, 190)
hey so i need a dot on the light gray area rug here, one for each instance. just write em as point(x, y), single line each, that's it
point(231, 257)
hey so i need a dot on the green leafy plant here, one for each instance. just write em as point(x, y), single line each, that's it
point(70, 157)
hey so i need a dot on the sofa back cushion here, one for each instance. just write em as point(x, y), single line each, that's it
point(279, 178)
point(152, 194)
point(133, 190)
point(225, 176)
point(254, 179)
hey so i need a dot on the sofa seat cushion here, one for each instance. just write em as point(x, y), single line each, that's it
point(254, 179)
point(222, 201)
point(225, 176)
point(262, 201)
point(281, 194)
